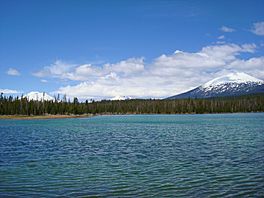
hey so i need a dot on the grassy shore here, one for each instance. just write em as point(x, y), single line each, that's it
point(38, 117)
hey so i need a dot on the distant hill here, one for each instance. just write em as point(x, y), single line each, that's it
point(234, 84)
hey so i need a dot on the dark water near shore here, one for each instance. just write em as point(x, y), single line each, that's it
point(134, 156)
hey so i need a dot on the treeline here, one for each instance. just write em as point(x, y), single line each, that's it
point(22, 106)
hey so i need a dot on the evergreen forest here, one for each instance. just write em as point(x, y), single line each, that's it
point(22, 106)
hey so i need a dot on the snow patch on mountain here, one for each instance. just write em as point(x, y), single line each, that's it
point(38, 96)
point(121, 98)
point(236, 78)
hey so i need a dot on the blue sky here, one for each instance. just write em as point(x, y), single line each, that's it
point(100, 49)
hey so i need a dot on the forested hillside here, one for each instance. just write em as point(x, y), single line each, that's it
point(17, 106)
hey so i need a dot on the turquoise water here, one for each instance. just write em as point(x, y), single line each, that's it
point(218, 155)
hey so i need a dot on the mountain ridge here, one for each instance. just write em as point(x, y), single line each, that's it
point(233, 84)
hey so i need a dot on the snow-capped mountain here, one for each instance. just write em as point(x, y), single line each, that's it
point(233, 84)
point(39, 96)
point(120, 98)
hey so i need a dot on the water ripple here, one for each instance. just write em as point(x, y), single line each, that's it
point(134, 156)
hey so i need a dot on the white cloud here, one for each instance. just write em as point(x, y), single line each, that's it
point(43, 81)
point(258, 28)
point(127, 67)
point(253, 66)
point(9, 91)
point(89, 72)
point(227, 29)
point(59, 70)
point(13, 72)
point(221, 42)
point(221, 37)
point(210, 57)
point(166, 75)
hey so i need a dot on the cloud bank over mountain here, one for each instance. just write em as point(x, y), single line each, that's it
point(166, 74)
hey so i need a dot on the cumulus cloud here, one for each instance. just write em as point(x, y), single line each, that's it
point(209, 57)
point(258, 28)
point(9, 91)
point(127, 67)
point(59, 70)
point(227, 29)
point(253, 66)
point(13, 72)
point(84, 72)
point(166, 75)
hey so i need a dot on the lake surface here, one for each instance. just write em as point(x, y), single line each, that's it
point(217, 155)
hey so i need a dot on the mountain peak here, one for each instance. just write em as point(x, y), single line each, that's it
point(120, 98)
point(233, 84)
point(236, 77)
point(38, 96)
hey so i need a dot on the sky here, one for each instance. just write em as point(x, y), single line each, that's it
point(140, 48)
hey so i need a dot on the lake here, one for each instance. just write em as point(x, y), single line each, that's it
point(210, 155)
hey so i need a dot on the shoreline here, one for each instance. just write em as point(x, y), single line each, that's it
point(48, 116)
point(42, 117)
